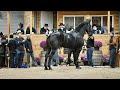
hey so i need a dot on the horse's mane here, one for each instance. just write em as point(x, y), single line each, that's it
point(80, 26)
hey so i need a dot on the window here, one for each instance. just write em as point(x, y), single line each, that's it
point(73, 21)
point(69, 21)
point(96, 21)
point(99, 20)
point(78, 20)
point(105, 20)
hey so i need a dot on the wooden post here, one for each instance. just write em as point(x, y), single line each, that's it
point(31, 22)
point(8, 21)
point(38, 22)
point(108, 22)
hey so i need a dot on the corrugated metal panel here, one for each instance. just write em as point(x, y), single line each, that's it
point(3, 22)
point(47, 17)
point(16, 17)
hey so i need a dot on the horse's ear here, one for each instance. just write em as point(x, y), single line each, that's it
point(89, 21)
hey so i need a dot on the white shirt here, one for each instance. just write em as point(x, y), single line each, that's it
point(69, 31)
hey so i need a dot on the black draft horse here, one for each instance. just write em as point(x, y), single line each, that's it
point(73, 41)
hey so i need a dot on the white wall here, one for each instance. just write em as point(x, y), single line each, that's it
point(47, 17)
point(16, 17)
point(3, 22)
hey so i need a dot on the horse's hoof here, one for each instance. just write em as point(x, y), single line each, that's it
point(78, 67)
point(45, 68)
point(50, 68)
point(66, 64)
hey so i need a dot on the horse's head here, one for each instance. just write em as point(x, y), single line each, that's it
point(84, 27)
point(87, 27)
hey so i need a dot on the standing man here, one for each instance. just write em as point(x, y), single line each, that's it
point(3, 41)
point(12, 49)
point(90, 48)
point(45, 29)
point(29, 50)
point(19, 49)
point(112, 48)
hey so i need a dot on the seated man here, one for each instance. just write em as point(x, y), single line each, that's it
point(62, 28)
point(44, 29)
point(20, 27)
point(28, 30)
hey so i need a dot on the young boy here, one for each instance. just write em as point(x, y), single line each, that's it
point(29, 50)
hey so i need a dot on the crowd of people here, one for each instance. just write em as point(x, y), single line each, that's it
point(16, 47)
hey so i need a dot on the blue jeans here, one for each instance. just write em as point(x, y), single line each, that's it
point(19, 58)
point(56, 58)
point(112, 56)
point(89, 55)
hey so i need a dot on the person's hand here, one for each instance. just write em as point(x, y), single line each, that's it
point(107, 43)
point(0, 43)
point(6, 44)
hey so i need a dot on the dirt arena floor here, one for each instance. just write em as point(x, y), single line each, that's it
point(61, 72)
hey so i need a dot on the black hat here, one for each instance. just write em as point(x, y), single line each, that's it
point(46, 25)
point(1, 34)
point(11, 35)
point(61, 24)
point(21, 25)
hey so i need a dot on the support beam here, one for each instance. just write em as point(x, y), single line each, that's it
point(31, 21)
point(108, 22)
point(119, 22)
point(38, 21)
point(8, 21)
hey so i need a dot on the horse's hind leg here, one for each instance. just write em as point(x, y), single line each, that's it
point(46, 58)
point(50, 57)
point(76, 55)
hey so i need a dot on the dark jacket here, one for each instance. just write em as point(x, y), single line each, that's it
point(19, 43)
point(110, 41)
point(43, 31)
point(3, 46)
point(119, 44)
point(21, 30)
point(90, 42)
point(12, 46)
point(60, 30)
point(28, 30)
point(28, 46)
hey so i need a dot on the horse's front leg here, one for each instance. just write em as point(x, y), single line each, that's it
point(69, 56)
point(76, 55)
point(50, 58)
point(46, 58)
